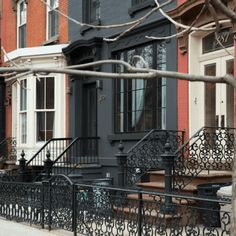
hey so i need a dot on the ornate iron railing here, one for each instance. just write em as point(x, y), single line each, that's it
point(55, 146)
point(8, 149)
point(93, 210)
point(145, 155)
point(81, 151)
point(210, 148)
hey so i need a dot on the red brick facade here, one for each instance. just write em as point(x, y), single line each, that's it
point(35, 34)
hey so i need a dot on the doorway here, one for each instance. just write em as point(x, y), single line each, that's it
point(89, 111)
point(218, 98)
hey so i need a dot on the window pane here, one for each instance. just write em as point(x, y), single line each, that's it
point(22, 15)
point(23, 117)
point(94, 9)
point(40, 96)
point(23, 95)
point(49, 125)
point(210, 97)
point(41, 126)
point(225, 38)
point(50, 93)
point(22, 36)
point(53, 24)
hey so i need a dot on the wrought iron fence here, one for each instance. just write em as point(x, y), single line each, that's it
point(145, 155)
point(211, 148)
point(8, 149)
point(103, 210)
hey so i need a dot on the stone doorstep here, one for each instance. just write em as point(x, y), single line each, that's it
point(161, 185)
point(147, 198)
point(202, 174)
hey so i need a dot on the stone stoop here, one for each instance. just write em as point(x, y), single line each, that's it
point(157, 178)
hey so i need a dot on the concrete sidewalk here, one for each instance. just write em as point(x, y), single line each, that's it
point(12, 228)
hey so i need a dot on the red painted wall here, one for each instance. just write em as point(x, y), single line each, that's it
point(183, 105)
point(36, 33)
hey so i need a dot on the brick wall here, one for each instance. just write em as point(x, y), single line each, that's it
point(36, 24)
point(35, 35)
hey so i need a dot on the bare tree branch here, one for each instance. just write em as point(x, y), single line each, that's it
point(228, 12)
point(135, 73)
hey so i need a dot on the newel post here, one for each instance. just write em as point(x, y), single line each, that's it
point(48, 163)
point(121, 158)
point(168, 158)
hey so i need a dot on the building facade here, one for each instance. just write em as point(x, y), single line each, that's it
point(115, 110)
point(33, 34)
point(205, 104)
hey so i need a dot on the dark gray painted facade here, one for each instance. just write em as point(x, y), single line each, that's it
point(87, 45)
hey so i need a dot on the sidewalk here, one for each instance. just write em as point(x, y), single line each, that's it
point(11, 228)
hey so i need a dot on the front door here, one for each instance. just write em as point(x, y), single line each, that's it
point(218, 98)
point(89, 112)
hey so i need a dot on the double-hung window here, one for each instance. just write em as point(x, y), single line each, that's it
point(52, 18)
point(45, 104)
point(23, 111)
point(21, 23)
point(140, 104)
point(91, 11)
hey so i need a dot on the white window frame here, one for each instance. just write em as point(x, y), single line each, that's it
point(23, 111)
point(49, 10)
point(21, 21)
point(45, 109)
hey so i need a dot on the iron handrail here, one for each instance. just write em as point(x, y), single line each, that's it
point(196, 135)
point(44, 146)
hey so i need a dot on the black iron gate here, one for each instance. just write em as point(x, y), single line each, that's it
point(59, 203)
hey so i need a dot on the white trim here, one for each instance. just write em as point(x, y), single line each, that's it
point(196, 90)
point(34, 52)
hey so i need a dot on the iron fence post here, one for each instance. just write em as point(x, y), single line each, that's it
point(48, 163)
point(22, 167)
point(74, 210)
point(50, 207)
point(168, 162)
point(140, 217)
point(121, 158)
point(43, 204)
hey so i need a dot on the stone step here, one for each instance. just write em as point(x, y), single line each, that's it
point(191, 188)
point(203, 177)
point(161, 199)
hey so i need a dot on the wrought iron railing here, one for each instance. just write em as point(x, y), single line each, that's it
point(81, 151)
point(93, 210)
point(8, 149)
point(55, 146)
point(145, 155)
point(210, 148)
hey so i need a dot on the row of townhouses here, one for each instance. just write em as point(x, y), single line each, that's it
point(36, 108)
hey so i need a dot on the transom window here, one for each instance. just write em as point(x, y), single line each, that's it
point(224, 39)
point(52, 16)
point(21, 23)
point(91, 11)
point(23, 111)
point(45, 108)
point(140, 105)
